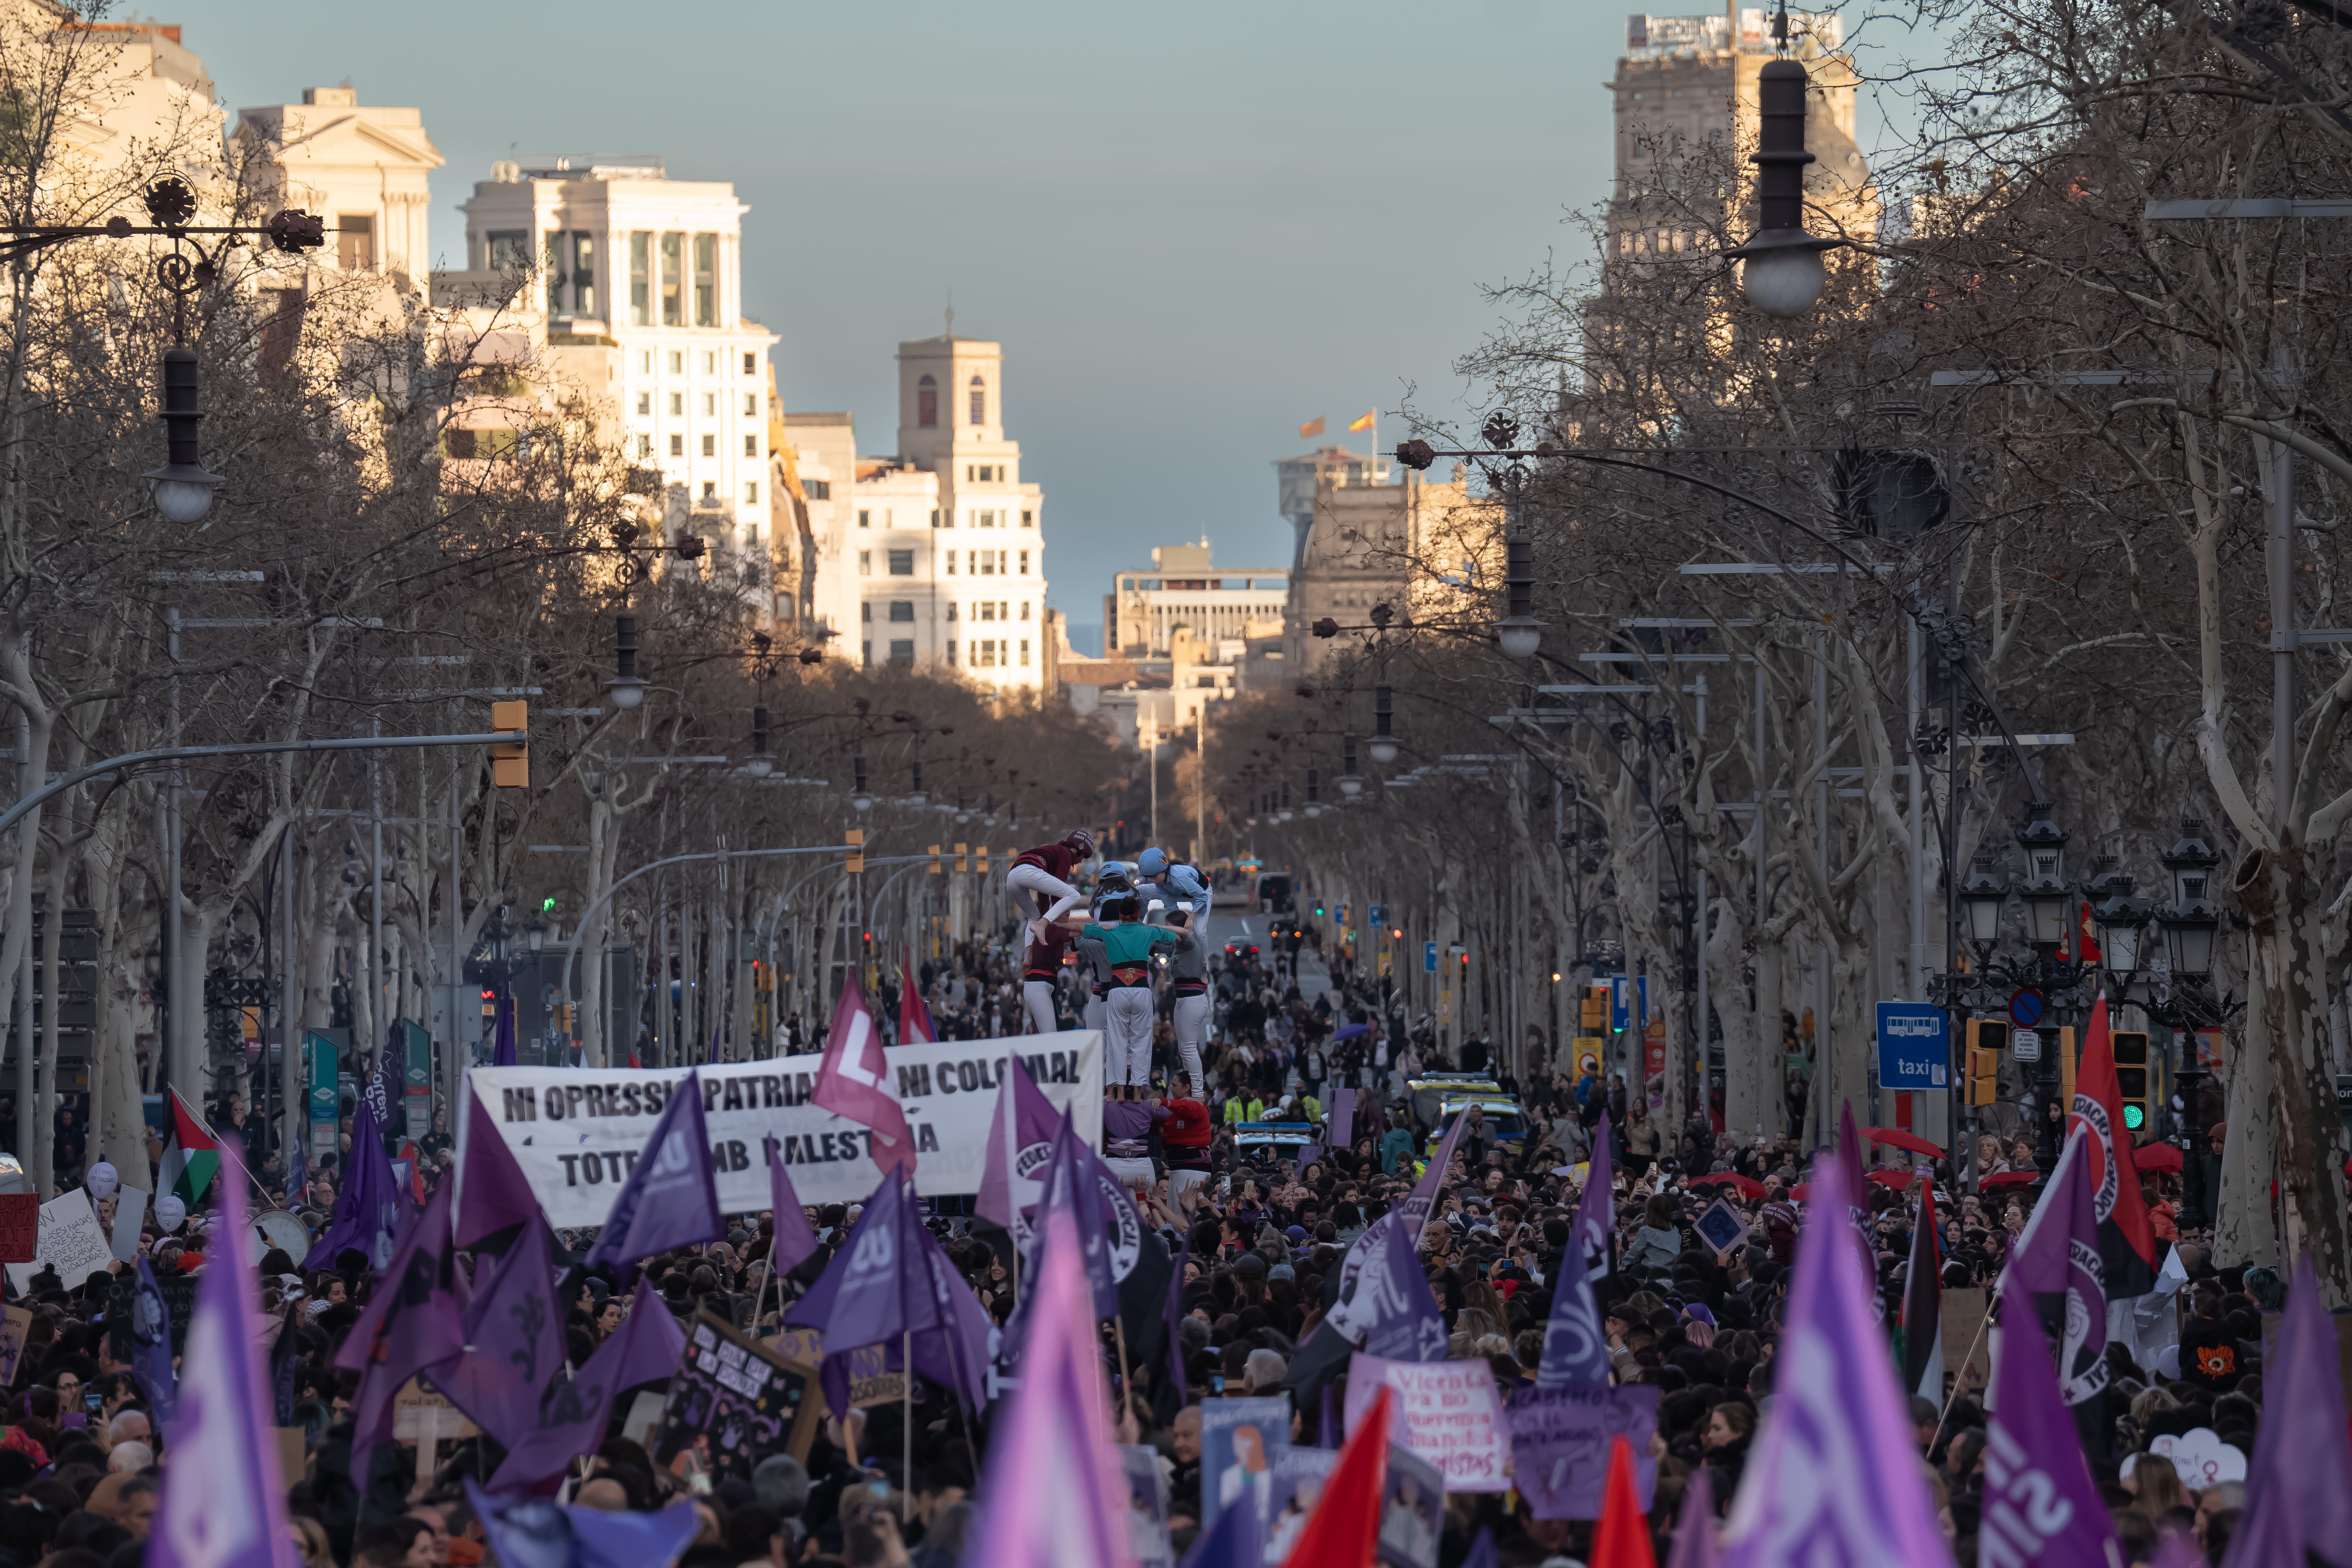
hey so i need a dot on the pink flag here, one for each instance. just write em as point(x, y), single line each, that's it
point(914, 1018)
point(854, 1080)
point(1056, 1496)
point(1834, 1480)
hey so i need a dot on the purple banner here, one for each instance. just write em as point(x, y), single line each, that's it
point(1559, 1445)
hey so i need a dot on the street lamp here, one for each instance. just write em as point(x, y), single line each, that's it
point(1384, 746)
point(535, 934)
point(1781, 272)
point(1519, 633)
point(1982, 898)
point(2121, 920)
point(915, 796)
point(1351, 783)
point(1314, 806)
point(624, 689)
point(2045, 892)
point(2190, 924)
point(184, 489)
point(761, 765)
point(859, 800)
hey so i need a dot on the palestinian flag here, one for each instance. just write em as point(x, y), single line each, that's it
point(2126, 1238)
point(191, 1154)
point(1922, 1306)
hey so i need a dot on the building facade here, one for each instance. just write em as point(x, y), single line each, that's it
point(363, 167)
point(1426, 548)
point(646, 273)
point(933, 557)
point(1144, 609)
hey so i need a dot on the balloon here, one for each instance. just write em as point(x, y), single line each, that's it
point(170, 1211)
point(102, 1181)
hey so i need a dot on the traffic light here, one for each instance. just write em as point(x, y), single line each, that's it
point(2066, 1061)
point(983, 853)
point(1592, 1012)
point(510, 760)
point(856, 864)
point(938, 865)
point(2133, 1077)
point(963, 857)
point(1988, 1040)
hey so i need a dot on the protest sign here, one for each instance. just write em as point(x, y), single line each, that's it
point(1559, 1445)
point(1966, 1353)
point(1412, 1512)
point(179, 1293)
point(871, 1381)
point(419, 1411)
point(1238, 1437)
point(1448, 1412)
point(20, 1227)
point(129, 1213)
point(1147, 1506)
point(1720, 1228)
point(576, 1133)
point(733, 1400)
point(71, 1242)
point(1298, 1475)
point(15, 1322)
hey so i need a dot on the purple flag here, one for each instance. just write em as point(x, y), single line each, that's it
point(1055, 1493)
point(1394, 1303)
point(1835, 1478)
point(1172, 1318)
point(1013, 1174)
point(2041, 1505)
point(536, 1533)
point(2299, 1486)
point(1575, 1355)
point(514, 1341)
point(151, 1346)
point(387, 1087)
point(1695, 1526)
point(1482, 1553)
point(891, 1280)
point(1071, 1182)
point(223, 1503)
point(493, 1196)
point(502, 1053)
point(572, 1412)
point(409, 1326)
point(2055, 1263)
point(367, 1210)
point(795, 1243)
point(671, 1198)
point(1236, 1538)
point(1344, 1321)
point(1343, 1116)
point(1596, 1207)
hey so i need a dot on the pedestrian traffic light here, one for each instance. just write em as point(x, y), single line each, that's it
point(2133, 1077)
point(939, 865)
point(510, 760)
point(856, 864)
point(1988, 1039)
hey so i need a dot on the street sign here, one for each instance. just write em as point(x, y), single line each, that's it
point(1620, 992)
point(2025, 1008)
point(1429, 958)
point(1915, 1047)
point(2026, 1044)
point(323, 1127)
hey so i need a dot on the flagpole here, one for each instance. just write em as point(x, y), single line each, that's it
point(907, 1424)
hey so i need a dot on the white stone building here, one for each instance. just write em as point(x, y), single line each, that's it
point(649, 269)
point(361, 167)
point(1144, 608)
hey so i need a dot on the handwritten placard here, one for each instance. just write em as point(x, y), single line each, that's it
point(1560, 1439)
point(16, 1323)
point(1448, 1412)
point(420, 1411)
point(733, 1400)
point(871, 1381)
point(70, 1241)
point(20, 1227)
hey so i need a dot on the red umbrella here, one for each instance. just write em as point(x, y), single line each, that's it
point(2011, 1179)
point(1895, 1138)
point(2156, 1157)
point(1746, 1187)
point(1888, 1178)
point(1801, 1191)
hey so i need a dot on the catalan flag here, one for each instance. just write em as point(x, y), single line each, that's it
point(1312, 428)
point(1371, 417)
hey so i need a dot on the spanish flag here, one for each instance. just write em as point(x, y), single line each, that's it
point(1312, 428)
point(1370, 418)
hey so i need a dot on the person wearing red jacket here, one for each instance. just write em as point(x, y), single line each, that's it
point(1045, 873)
point(1185, 1137)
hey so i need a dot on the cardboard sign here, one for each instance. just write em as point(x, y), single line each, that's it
point(1147, 1506)
point(129, 1213)
point(15, 1322)
point(1560, 1439)
point(1968, 1348)
point(1298, 1477)
point(20, 1227)
point(871, 1381)
point(732, 1399)
point(1238, 1440)
point(71, 1242)
point(1720, 1228)
point(420, 1411)
point(1448, 1412)
point(1412, 1512)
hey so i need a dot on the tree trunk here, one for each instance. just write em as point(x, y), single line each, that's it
point(2242, 1233)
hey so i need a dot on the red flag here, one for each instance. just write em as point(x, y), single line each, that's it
point(914, 1018)
point(2091, 953)
point(855, 1080)
point(1345, 1528)
point(2126, 1240)
point(1622, 1539)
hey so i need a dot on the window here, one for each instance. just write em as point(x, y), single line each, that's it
point(355, 242)
point(988, 520)
point(751, 406)
point(645, 405)
point(673, 279)
point(951, 570)
point(1028, 520)
point(710, 405)
point(1025, 653)
point(902, 563)
point(987, 564)
point(951, 609)
point(865, 563)
point(580, 260)
point(710, 492)
point(678, 445)
point(750, 366)
point(710, 446)
point(706, 279)
point(819, 490)
point(1004, 610)
point(865, 518)
point(645, 362)
point(988, 609)
point(865, 612)
point(1024, 609)
point(677, 404)
point(710, 363)
point(952, 646)
point(1004, 563)
point(751, 493)
point(984, 653)
point(644, 446)
point(1025, 564)
point(979, 400)
point(865, 652)
point(508, 248)
point(935, 518)
point(983, 473)
point(902, 610)
point(927, 403)
point(677, 363)
point(902, 650)
point(750, 530)
point(641, 278)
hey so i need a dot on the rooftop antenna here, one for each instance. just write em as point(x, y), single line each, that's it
point(950, 313)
